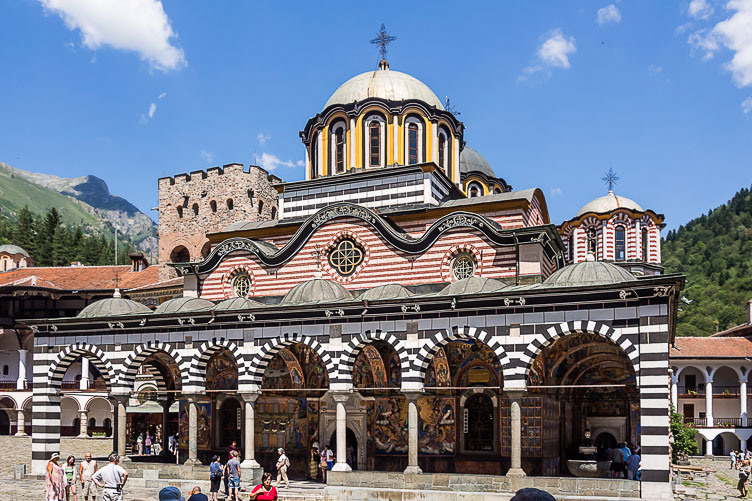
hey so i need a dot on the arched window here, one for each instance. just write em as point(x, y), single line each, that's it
point(479, 423)
point(229, 204)
point(645, 245)
point(274, 213)
point(180, 255)
point(374, 140)
point(442, 151)
point(260, 206)
point(314, 156)
point(338, 148)
point(195, 209)
point(474, 190)
point(180, 211)
point(570, 244)
point(497, 190)
point(592, 242)
point(621, 243)
point(213, 205)
point(5, 370)
point(412, 143)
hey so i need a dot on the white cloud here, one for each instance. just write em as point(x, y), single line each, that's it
point(270, 162)
point(553, 53)
point(608, 14)
point(208, 156)
point(700, 9)
point(654, 69)
point(162, 95)
point(556, 191)
point(747, 105)
point(263, 138)
point(735, 34)
point(140, 26)
point(152, 109)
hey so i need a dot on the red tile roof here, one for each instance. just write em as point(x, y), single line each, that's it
point(739, 330)
point(711, 347)
point(80, 277)
point(173, 282)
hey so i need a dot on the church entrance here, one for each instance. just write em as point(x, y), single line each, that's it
point(352, 447)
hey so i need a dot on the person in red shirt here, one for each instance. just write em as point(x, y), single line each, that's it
point(265, 491)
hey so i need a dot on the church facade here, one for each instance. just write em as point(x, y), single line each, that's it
point(402, 305)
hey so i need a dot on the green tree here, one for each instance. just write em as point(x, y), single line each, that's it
point(24, 234)
point(684, 437)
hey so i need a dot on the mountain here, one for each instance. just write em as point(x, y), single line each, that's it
point(715, 252)
point(84, 200)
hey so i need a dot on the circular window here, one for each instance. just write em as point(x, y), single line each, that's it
point(463, 266)
point(241, 285)
point(345, 257)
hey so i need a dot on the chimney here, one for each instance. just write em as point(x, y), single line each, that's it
point(749, 311)
point(138, 261)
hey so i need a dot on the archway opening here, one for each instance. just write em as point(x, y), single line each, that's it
point(180, 255)
point(583, 387)
point(70, 419)
point(352, 446)
point(226, 419)
point(7, 406)
point(288, 410)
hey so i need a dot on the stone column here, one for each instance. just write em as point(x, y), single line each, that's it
point(249, 429)
point(165, 423)
point(516, 415)
point(192, 432)
point(21, 422)
point(84, 383)
point(84, 419)
point(743, 401)
point(21, 381)
point(122, 402)
point(709, 402)
point(412, 434)
point(341, 465)
point(708, 447)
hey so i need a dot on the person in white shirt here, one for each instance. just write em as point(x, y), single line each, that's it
point(111, 479)
point(282, 464)
point(85, 471)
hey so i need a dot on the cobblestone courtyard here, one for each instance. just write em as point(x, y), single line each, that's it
point(720, 485)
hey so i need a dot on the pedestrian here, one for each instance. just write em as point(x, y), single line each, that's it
point(71, 477)
point(264, 491)
point(732, 456)
point(232, 447)
point(140, 444)
point(743, 477)
point(532, 494)
point(147, 443)
point(215, 477)
point(617, 462)
point(170, 493)
point(54, 482)
point(87, 468)
point(233, 471)
point(329, 458)
point(633, 466)
point(323, 464)
point(313, 466)
point(111, 479)
point(197, 495)
point(283, 463)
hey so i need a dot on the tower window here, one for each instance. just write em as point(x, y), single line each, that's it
point(314, 156)
point(442, 151)
point(592, 242)
point(645, 245)
point(463, 266)
point(180, 211)
point(195, 209)
point(274, 213)
point(571, 243)
point(5, 370)
point(229, 204)
point(213, 205)
point(339, 149)
point(475, 190)
point(260, 206)
point(620, 243)
point(412, 144)
point(374, 134)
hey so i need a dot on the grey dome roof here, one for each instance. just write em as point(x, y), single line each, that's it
point(609, 202)
point(588, 273)
point(236, 303)
point(317, 290)
point(386, 84)
point(388, 291)
point(113, 306)
point(472, 161)
point(184, 304)
point(13, 249)
point(472, 285)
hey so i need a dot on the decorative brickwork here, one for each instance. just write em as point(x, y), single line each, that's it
point(193, 205)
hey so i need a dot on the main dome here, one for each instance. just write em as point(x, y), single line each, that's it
point(610, 202)
point(386, 84)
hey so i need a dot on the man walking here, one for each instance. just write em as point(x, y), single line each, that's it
point(233, 469)
point(111, 479)
point(85, 471)
point(283, 463)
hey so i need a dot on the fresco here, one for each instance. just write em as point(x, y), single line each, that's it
point(387, 418)
point(376, 366)
point(204, 423)
point(222, 372)
point(436, 425)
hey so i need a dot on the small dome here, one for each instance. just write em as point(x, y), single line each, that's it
point(588, 273)
point(236, 303)
point(609, 202)
point(388, 291)
point(317, 290)
point(386, 84)
point(13, 249)
point(472, 285)
point(113, 306)
point(472, 161)
point(184, 304)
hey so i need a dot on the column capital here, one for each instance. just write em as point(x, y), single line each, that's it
point(191, 397)
point(341, 396)
point(413, 396)
point(120, 398)
point(249, 396)
point(515, 394)
point(84, 412)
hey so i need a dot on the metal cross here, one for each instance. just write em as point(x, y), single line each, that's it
point(383, 39)
point(610, 179)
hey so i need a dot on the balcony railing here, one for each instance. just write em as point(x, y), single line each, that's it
point(691, 391)
point(726, 391)
point(718, 391)
point(97, 385)
point(696, 422)
point(11, 385)
point(718, 422)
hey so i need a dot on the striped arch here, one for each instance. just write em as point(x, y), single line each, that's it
point(353, 348)
point(418, 374)
point(267, 351)
point(197, 375)
point(577, 327)
point(71, 354)
point(136, 359)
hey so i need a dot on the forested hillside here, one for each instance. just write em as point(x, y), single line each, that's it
point(715, 252)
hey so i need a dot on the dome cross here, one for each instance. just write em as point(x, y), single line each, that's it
point(383, 39)
point(610, 179)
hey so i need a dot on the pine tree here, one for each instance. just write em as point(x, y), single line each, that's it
point(24, 234)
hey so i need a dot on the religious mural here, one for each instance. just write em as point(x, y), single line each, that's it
point(222, 372)
point(387, 424)
point(436, 425)
point(204, 411)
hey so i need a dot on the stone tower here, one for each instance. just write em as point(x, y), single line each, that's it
point(193, 205)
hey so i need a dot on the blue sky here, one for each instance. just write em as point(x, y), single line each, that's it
point(553, 94)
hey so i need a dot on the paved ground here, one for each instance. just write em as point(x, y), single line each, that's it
point(720, 485)
point(32, 490)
